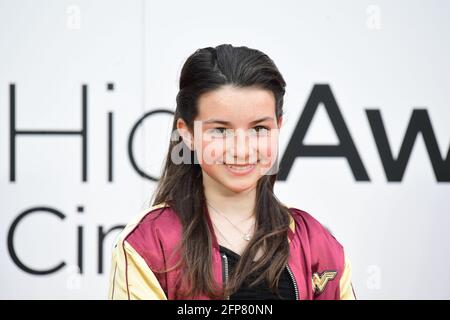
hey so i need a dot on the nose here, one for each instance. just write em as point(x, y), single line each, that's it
point(242, 148)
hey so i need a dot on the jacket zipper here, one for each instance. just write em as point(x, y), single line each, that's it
point(293, 280)
point(226, 271)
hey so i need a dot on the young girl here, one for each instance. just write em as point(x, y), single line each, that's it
point(216, 230)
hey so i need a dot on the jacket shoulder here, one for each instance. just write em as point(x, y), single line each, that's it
point(140, 253)
point(315, 230)
point(323, 247)
point(327, 257)
point(131, 275)
point(145, 221)
point(154, 233)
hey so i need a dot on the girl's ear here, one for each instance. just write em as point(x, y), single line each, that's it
point(184, 132)
point(280, 121)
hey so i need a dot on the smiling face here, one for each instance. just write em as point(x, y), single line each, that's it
point(235, 136)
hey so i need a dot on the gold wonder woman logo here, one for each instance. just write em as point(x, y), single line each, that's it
point(320, 281)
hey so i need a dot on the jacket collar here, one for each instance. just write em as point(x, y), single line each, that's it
point(291, 225)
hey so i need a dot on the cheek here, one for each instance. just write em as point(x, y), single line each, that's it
point(212, 151)
point(212, 170)
point(267, 152)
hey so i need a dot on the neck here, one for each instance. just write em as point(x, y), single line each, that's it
point(237, 206)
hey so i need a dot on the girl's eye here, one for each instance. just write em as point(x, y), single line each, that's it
point(221, 132)
point(225, 132)
point(260, 130)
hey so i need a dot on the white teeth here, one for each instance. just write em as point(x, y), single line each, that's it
point(240, 168)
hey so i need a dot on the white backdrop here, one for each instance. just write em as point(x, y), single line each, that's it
point(370, 55)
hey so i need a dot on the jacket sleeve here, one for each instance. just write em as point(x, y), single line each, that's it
point(130, 277)
point(345, 284)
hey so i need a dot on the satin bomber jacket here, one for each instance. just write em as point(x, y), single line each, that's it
point(317, 264)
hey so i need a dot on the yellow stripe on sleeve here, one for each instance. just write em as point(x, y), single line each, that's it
point(345, 284)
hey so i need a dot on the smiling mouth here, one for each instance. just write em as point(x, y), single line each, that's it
point(242, 167)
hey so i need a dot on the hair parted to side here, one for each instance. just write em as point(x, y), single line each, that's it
point(181, 184)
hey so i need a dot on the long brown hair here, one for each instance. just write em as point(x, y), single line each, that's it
point(181, 185)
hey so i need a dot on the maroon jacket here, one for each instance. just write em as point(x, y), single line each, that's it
point(318, 266)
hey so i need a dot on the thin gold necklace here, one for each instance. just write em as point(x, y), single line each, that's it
point(247, 236)
point(223, 236)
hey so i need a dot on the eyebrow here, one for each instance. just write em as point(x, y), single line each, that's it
point(228, 122)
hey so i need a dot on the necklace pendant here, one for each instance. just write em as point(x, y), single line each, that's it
point(247, 237)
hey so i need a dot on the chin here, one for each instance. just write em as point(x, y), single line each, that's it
point(238, 187)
